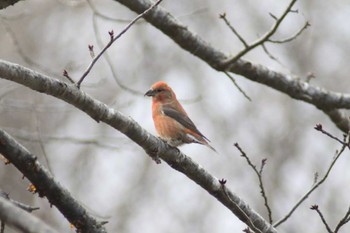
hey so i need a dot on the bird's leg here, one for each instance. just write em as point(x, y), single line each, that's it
point(165, 141)
point(156, 159)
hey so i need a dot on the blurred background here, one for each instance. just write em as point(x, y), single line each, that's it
point(113, 177)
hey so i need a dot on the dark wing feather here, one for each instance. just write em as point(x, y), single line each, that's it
point(182, 119)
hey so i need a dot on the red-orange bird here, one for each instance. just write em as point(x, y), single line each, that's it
point(170, 119)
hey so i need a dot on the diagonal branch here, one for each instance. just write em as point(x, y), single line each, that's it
point(312, 189)
point(223, 16)
point(6, 3)
point(113, 39)
point(21, 220)
point(151, 144)
point(263, 39)
point(298, 33)
point(292, 86)
point(25, 207)
point(343, 221)
point(259, 175)
point(47, 186)
point(317, 209)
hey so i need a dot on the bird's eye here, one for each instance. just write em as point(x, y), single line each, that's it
point(159, 90)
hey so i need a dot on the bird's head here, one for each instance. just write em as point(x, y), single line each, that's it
point(160, 91)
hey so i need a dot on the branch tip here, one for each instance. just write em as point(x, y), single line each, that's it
point(222, 15)
point(91, 50)
point(111, 34)
point(222, 181)
point(318, 127)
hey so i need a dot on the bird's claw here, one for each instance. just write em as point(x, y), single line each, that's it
point(156, 159)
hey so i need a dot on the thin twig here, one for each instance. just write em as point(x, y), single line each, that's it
point(112, 40)
point(298, 33)
point(65, 74)
point(109, 62)
point(223, 16)
point(237, 86)
point(313, 188)
point(319, 127)
point(272, 57)
point(25, 207)
point(315, 207)
point(259, 174)
point(343, 221)
point(261, 40)
point(223, 187)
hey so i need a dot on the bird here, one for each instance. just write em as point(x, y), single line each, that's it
point(171, 120)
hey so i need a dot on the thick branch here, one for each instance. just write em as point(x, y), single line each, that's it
point(150, 143)
point(46, 185)
point(6, 3)
point(186, 39)
point(21, 220)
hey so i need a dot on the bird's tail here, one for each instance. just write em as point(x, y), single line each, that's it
point(201, 139)
point(212, 148)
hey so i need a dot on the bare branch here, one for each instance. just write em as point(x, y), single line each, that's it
point(292, 86)
point(223, 186)
point(46, 185)
point(21, 220)
point(65, 74)
point(259, 175)
point(313, 188)
point(151, 144)
point(315, 207)
point(298, 33)
point(343, 221)
point(25, 207)
point(109, 61)
point(339, 118)
point(272, 57)
point(319, 127)
point(237, 86)
point(6, 3)
point(261, 40)
point(223, 16)
point(113, 39)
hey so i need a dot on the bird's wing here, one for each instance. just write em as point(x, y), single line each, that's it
point(183, 119)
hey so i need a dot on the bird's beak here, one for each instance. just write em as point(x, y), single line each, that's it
point(150, 92)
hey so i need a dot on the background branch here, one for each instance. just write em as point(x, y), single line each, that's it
point(20, 219)
point(46, 185)
point(113, 39)
point(292, 86)
point(151, 144)
point(313, 188)
point(259, 175)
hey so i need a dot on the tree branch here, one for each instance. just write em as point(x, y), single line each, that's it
point(20, 219)
point(6, 3)
point(46, 185)
point(313, 188)
point(113, 39)
point(295, 87)
point(151, 144)
point(259, 175)
point(25, 207)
